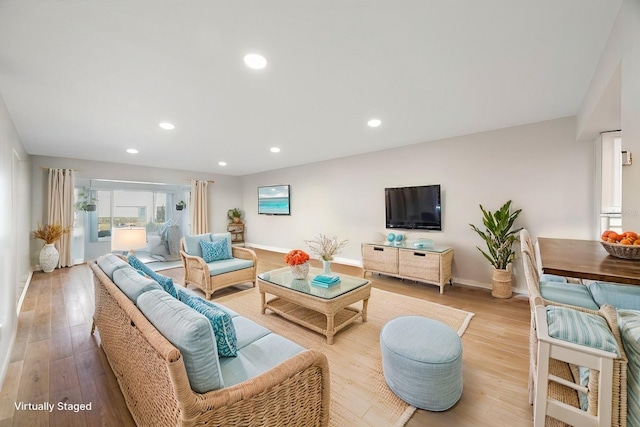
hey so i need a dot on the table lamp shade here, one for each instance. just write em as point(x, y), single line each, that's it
point(128, 238)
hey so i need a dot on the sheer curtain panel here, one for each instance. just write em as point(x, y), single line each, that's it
point(62, 210)
point(199, 210)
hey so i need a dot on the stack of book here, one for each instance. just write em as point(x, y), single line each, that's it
point(325, 280)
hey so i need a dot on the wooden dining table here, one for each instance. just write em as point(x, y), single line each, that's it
point(586, 259)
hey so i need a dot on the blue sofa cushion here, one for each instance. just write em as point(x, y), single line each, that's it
point(214, 251)
point(629, 324)
point(190, 332)
point(581, 328)
point(132, 283)
point(226, 236)
point(248, 331)
point(110, 263)
point(619, 296)
point(227, 265)
point(192, 243)
point(164, 281)
point(257, 358)
point(568, 293)
point(223, 327)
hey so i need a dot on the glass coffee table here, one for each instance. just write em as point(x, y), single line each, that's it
point(323, 310)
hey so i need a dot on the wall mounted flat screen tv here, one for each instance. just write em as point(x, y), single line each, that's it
point(414, 207)
point(274, 200)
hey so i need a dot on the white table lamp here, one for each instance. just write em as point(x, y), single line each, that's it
point(128, 238)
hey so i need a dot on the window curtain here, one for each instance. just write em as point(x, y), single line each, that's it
point(199, 210)
point(62, 210)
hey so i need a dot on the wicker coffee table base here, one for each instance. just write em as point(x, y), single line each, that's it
point(326, 317)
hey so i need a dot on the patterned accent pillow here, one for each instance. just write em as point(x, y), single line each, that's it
point(221, 323)
point(164, 281)
point(581, 328)
point(215, 251)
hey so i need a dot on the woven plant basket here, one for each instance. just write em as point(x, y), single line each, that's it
point(501, 281)
point(300, 271)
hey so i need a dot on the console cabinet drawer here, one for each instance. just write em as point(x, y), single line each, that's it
point(380, 258)
point(419, 265)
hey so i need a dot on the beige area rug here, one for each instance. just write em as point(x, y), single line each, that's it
point(359, 393)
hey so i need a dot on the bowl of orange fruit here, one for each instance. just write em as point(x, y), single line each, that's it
point(624, 245)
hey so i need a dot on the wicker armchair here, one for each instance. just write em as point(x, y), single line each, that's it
point(152, 376)
point(196, 271)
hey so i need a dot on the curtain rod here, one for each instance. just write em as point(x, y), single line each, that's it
point(187, 179)
point(47, 168)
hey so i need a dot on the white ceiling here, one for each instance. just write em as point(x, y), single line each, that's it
point(88, 79)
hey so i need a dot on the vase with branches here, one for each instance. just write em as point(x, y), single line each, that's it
point(326, 248)
point(49, 255)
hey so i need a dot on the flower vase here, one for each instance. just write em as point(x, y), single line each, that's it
point(300, 271)
point(326, 267)
point(49, 258)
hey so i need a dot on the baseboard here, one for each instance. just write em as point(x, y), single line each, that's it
point(24, 292)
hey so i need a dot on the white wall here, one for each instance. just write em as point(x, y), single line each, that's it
point(540, 167)
point(14, 231)
point(224, 193)
point(616, 81)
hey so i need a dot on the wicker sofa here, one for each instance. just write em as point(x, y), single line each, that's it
point(153, 373)
point(214, 275)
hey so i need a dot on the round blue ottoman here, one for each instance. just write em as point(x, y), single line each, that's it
point(422, 362)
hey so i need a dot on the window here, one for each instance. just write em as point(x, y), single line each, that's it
point(128, 207)
point(610, 191)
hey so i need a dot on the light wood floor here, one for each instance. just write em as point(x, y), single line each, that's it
point(56, 359)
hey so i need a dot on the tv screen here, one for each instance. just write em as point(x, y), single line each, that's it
point(414, 207)
point(274, 200)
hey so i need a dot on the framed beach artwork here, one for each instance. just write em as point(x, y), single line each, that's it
point(274, 200)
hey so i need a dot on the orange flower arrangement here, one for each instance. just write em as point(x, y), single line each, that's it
point(296, 257)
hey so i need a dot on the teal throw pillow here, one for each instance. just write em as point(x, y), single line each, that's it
point(164, 281)
point(215, 251)
point(221, 322)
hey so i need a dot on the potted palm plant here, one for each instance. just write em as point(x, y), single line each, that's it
point(499, 236)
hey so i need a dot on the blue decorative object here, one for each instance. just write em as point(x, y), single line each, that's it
point(399, 238)
point(164, 281)
point(391, 237)
point(214, 251)
point(422, 362)
point(221, 323)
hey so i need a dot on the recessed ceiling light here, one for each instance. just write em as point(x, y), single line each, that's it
point(255, 61)
point(275, 150)
point(222, 163)
point(167, 126)
point(374, 123)
point(132, 151)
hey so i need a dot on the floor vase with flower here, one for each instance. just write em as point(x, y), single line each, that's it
point(49, 257)
point(300, 271)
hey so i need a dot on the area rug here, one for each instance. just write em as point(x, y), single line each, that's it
point(359, 394)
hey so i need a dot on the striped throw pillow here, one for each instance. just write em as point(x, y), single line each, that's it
point(581, 328)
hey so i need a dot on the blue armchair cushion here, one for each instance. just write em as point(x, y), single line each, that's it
point(214, 251)
point(619, 296)
point(581, 328)
point(192, 243)
point(190, 332)
point(164, 281)
point(223, 327)
point(569, 294)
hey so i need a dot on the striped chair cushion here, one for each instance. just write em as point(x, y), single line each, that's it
point(581, 328)
point(629, 324)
